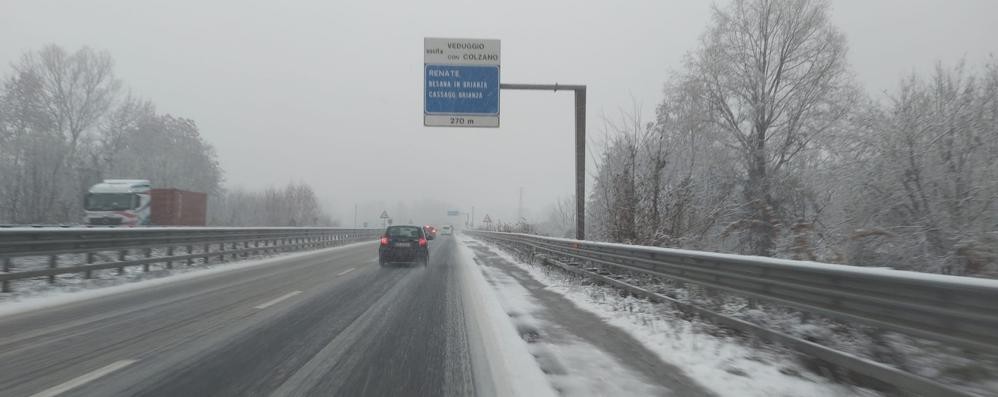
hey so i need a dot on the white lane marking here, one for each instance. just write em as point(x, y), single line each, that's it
point(276, 300)
point(345, 272)
point(83, 379)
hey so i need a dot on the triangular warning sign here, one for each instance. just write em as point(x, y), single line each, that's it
point(384, 214)
point(487, 219)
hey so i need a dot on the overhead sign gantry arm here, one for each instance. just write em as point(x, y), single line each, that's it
point(580, 145)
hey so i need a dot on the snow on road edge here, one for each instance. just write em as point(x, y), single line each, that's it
point(573, 366)
point(721, 365)
point(59, 297)
point(511, 367)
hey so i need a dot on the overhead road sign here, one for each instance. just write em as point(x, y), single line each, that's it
point(460, 82)
point(452, 212)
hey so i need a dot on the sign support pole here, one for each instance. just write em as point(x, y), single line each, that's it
point(580, 145)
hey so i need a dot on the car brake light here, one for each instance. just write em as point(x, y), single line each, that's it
point(384, 240)
point(422, 241)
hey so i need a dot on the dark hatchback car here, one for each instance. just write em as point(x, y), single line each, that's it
point(404, 244)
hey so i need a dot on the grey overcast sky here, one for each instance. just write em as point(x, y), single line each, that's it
point(330, 92)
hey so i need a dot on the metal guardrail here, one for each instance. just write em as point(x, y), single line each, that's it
point(180, 244)
point(959, 311)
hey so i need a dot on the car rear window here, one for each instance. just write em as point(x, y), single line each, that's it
point(403, 231)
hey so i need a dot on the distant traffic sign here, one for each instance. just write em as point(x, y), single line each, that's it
point(452, 212)
point(487, 219)
point(460, 82)
point(384, 215)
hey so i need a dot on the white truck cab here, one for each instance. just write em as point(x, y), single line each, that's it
point(118, 202)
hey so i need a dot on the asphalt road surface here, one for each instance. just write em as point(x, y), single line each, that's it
point(329, 323)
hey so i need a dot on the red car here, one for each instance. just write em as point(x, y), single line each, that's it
point(431, 232)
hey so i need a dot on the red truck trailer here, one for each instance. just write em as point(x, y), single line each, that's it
point(175, 207)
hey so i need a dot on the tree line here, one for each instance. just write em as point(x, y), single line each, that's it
point(67, 122)
point(764, 144)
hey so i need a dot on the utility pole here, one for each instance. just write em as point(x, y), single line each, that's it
point(519, 207)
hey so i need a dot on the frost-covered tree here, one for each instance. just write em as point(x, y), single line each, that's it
point(775, 77)
point(929, 176)
point(53, 103)
point(29, 145)
point(64, 125)
point(167, 150)
point(296, 204)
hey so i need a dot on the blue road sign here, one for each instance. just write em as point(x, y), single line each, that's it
point(462, 90)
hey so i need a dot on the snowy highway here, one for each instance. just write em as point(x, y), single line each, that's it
point(477, 320)
point(330, 322)
point(325, 322)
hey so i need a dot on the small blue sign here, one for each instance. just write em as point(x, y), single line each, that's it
point(461, 90)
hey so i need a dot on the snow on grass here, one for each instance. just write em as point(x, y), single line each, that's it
point(38, 294)
point(719, 363)
point(497, 349)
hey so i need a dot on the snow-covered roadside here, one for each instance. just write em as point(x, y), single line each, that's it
point(89, 289)
point(721, 364)
point(498, 354)
point(573, 366)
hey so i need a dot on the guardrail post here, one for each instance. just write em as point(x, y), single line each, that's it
point(148, 254)
point(53, 263)
point(207, 249)
point(169, 253)
point(221, 250)
point(121, 258)
point(235, 247)
point(90, 260)
point(190, 250)
point(6, 269)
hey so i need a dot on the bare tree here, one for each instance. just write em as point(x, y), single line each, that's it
point(929, 182)
point(28, 144)
point(75, 91)
point(294, 205)
point(775, 76)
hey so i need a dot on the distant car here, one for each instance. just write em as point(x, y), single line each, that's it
point(404, 244)
point(431, 232)
point(446, 230)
